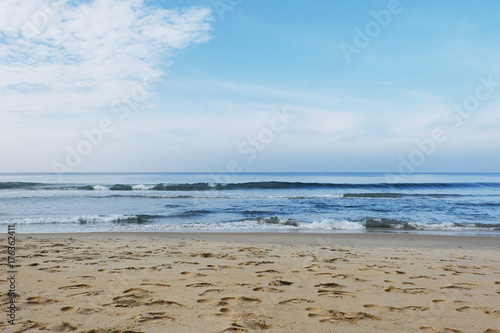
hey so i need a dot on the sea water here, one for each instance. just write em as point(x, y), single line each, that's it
point(436, 203)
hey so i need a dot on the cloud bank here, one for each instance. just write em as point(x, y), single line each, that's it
point(74, 57)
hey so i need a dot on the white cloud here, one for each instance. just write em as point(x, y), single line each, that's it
point(69, 57)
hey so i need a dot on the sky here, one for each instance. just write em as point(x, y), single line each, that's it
point(249, 86)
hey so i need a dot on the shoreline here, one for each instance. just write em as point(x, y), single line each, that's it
point(344, 239)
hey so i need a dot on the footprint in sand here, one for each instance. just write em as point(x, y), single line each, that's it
point(396, 273)
point(87, 293)
point(153, 316)
point(128, 301)
point(75, 286)
point(396, 309)
point(242, 322)
point(360, 280)
point(422, 277)
point(392, 289)
point(223, 302)
point(137, 297)
point(335, 293)
point(83, 277)
point(335, 317)
point(335, 260)
point(243, 284)
point(312, 268)
point(137, 291)
point(30, 324)
point(255, 263)
point(446, 330)
point(209, 269)
point(342, 276)
point(186, 262)
point(461, 286)
point(329, 285)
point(492, 312)
point(267, 289)
point(155, 284)
point(203, 301)
point(68, 309)
point(269, 271)
point(51, 269)
point(251, 321)
point(211, 291)
point(295, 301)
point(479, 308)
point(84, 311)
point(203, 255)
point(201, 284)
point(163, 302)
point(463, 307)
point(235, 329)
point(242, 299)
point(200, 275)
point(64, 327)
point(107, 330)
point(212, 315)
point(280, 283)
point(40, 300)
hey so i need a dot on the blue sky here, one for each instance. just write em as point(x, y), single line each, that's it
point(202, 78)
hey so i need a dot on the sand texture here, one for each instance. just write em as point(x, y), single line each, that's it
point(148, 283)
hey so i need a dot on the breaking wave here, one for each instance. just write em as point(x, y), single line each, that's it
point(144, 222)
point(85, 219)
point(13, 185)
point(253, 185)
point(396, 195)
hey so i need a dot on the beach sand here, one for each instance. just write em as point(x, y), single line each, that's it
point(168, 282)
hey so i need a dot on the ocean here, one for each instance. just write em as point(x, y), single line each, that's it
point(430, 203)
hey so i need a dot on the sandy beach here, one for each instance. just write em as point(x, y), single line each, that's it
point(173, 282)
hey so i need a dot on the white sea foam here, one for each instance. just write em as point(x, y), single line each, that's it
point(441, 226)
point(326, 224)
point(92, 223)
point(329, 224)
point(100, 188)
point(74, 219)
point(326, 196)
point(142, 187)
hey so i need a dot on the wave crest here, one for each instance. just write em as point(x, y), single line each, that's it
point(257, 185)
point(85, 219)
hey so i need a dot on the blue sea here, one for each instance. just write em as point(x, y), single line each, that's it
point(430, 203)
